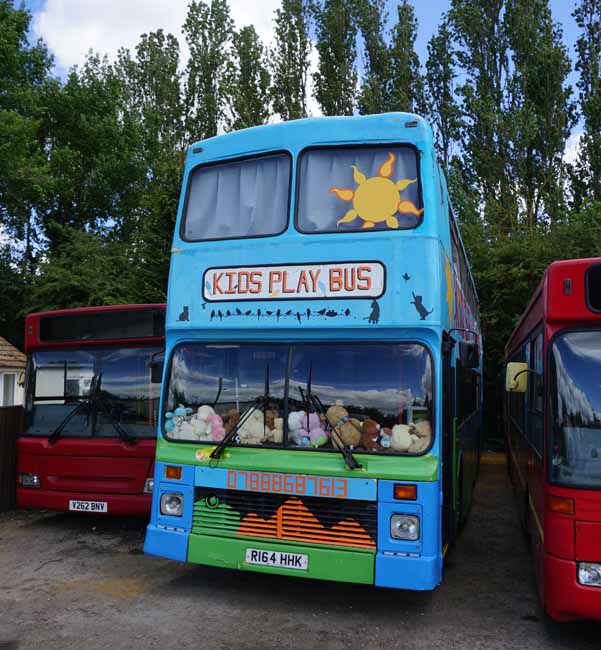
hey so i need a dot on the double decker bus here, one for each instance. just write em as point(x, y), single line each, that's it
point(320, 407)
point(93, 386)
point(553, 433)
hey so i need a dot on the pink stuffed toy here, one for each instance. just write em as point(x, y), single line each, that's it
point(216, 428)
point(313, 429)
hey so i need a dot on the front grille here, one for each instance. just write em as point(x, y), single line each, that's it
point(334, 522)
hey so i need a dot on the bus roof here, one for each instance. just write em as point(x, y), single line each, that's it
point(561, 297)
point(312, 131)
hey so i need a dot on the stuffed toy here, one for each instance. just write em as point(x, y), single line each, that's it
point(346, 431)
point(253, 430)
point(270, 416)
point(200, 427)
point(230, 419)
point(385, 437)
point(296, 421)
point(370, 433)
point(312, 429)
point(276, 435)
point(401, 438)
point(422, 437)
point(216, 430)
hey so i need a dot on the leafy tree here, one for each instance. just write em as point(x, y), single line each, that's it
point(208, 30)
point(24, 81)
point(336, 76)
point(443, 110)
point(588, 46)
point(406, 82)
point(249, 82)
point(374, 91)
point(540, 111)
point(290, 59)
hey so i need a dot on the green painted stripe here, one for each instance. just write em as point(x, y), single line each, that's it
point(406, 468)
point(324, 564)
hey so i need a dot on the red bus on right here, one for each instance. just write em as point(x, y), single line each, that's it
point(553, 431)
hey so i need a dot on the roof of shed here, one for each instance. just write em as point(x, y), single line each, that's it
point(10, 356)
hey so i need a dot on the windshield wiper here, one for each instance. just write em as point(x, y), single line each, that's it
point(318, 407)
point(86, 402)
point(259, 403)
point(97, 399)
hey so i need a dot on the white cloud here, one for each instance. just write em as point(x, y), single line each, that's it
point(72, 27)
point(572, 149)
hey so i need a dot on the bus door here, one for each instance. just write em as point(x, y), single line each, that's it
point(535, 466)
point(449, 520)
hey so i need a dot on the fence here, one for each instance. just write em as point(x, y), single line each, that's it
point(11, 419)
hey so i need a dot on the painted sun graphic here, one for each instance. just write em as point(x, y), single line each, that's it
point(378, 198)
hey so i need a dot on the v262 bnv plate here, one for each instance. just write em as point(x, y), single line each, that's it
point(88, 506)
point(278, 559)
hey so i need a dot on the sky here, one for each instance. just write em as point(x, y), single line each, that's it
point(71, 27)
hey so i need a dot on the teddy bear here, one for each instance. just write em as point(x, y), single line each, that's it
point(296, 421)
point(175, 420)
point(370, 434)
point(230, 419)
point(401, 439)
point(385, 437)
point(216, 429)
point(200, 424)
point(312, 429)
point(270, 416)
point(346, 431)
point(422, 437)
point(276, 435)
point(253, 430)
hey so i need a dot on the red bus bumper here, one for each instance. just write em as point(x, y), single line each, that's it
point(118, 504)
point(565, 598)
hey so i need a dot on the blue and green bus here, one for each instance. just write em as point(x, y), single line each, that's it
point(321, 395)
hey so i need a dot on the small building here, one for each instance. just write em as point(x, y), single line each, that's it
point(12, 374)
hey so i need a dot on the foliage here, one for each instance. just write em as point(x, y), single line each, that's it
point(336, 76)
point(290, 59)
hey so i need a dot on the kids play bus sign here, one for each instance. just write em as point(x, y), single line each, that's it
point(295, 282)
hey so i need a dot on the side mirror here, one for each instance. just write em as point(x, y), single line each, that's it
point(156, 367)
point(469, 354)
point(516, 377)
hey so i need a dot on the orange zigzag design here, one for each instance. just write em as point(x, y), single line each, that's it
point(295, 522)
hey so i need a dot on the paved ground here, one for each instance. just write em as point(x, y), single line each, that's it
point(68, 581)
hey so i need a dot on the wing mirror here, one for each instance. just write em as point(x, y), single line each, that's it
point(156, 367)
point(469, 354)
point(516, 377)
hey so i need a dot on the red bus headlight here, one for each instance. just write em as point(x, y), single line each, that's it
point(29, 480)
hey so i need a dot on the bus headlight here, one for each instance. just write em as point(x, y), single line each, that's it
point(172, 504)
point(404, 527)
point(29, 480)
point(148, 486)
point(589, 574)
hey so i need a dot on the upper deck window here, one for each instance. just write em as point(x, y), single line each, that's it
point(242, 198)
point(356, 188)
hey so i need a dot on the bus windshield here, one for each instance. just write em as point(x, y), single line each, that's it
point(369, 397)
point(59, 380)
point(576, 398)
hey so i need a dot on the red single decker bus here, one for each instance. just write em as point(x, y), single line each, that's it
point(553, 429)
point(93, 385)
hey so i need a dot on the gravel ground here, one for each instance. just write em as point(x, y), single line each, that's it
point(72, 581)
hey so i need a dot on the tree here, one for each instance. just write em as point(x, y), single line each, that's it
point(336, 76)
point(24, 81)
point(208, 31)
point(443, 109)
point(406, 82)
point(290, 59)
point(588, 64)
point(374, 91)
point(249, 82)
point(540, 112)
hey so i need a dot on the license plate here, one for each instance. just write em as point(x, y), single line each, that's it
point(278, 559)
point(88, 506)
